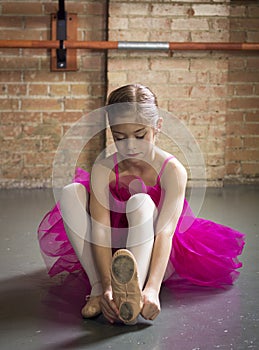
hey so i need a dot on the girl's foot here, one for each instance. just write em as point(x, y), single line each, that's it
point(92, 307)
point(125, 285)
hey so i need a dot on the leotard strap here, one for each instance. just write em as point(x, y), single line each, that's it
point(163, 167)
point(116, 169)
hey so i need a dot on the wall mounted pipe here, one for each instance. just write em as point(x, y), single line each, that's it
point(129, 45)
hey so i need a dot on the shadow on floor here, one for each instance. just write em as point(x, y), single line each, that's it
point(53, 307)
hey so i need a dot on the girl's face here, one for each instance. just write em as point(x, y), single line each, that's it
point(133, 140)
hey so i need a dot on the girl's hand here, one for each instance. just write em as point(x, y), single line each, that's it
point(151, 304)
point(109, 308)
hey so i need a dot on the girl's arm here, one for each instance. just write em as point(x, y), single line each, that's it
point(101, 235)
point(174, 183)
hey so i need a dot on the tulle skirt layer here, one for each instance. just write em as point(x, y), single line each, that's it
point(203, 252)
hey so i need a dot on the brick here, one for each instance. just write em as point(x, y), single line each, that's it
point(251, 77)
point(161, 22)
point(59, 90)
point(236, 63)
point(215, 159)
point(21, 34)
point(61, 117)
point(237, 11)
point(182, 77)
point(82, 104)
point(243, 90)
point(233, 169)
point(244, 103)
point(208, 90)
point(251, 142)
point(43, 76)
point(209, 64)
point(215, 172)
point(11, 22)
point(49, 8)
point(17, 89)
point(252, 37)
point(117, 10)
point(84, 77)
point(41, 158)
point(188, 105)
point(169, 10)
point(206, 36)
point(50, 144)
point(125, 35)
point(37, 89)
point(252, 63)
point(3, 89)
point(92, 62)
point(235, 116)
point(253, 11)
point(9, 104)
point(189, 24)
point(178, 36)
point(42, 131)
point(11, 159)
point(118, 23)
point(234, 142)
point(210, 10)
point(250, 169)
point(19, 63)
point(37, 23)
point(218, 77)
point(43, 104)
point(128, 64)
point(97, 90)
point(252, 116)
point(242, 155)
point(20, 145)
point(243, 129)
point(168, 64)
point(20, 117)
point(219, 24)
point(140, 23)
point(245, 23)
point(95, 8)
point(36, 172)
point(217, 131)
point(8, 131)
point(80, 90)
point(9, 52)
point(21, 8)
point(12, 171)
point(207, 118)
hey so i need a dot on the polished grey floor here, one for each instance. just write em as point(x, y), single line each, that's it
point(37, 312)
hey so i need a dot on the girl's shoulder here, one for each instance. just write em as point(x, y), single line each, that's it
point(170, 165)
point(104, 168)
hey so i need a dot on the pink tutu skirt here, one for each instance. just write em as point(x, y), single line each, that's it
point(205, 253)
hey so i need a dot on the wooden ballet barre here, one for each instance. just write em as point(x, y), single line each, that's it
point(128, 45)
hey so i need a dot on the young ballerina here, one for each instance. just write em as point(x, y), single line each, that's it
point(123, 223)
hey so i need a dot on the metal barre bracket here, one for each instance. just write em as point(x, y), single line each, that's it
point(64, 27)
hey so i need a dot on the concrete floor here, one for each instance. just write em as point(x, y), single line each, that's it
point(37, 312)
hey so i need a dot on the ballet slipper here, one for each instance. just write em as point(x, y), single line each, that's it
point(92, 307)
point(125, 286)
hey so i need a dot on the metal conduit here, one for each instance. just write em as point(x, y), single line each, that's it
point(128, 45)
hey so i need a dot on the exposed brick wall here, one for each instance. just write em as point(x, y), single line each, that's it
point(214, 93)
point(242, 127)
point(38, 106)
point(200, 88)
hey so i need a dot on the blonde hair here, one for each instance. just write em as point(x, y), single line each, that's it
point(135, 98)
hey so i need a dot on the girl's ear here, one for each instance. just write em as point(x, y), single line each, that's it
point(159, 125)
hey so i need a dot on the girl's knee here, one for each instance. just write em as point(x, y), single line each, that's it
point(73, 191)
point(140, 203)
